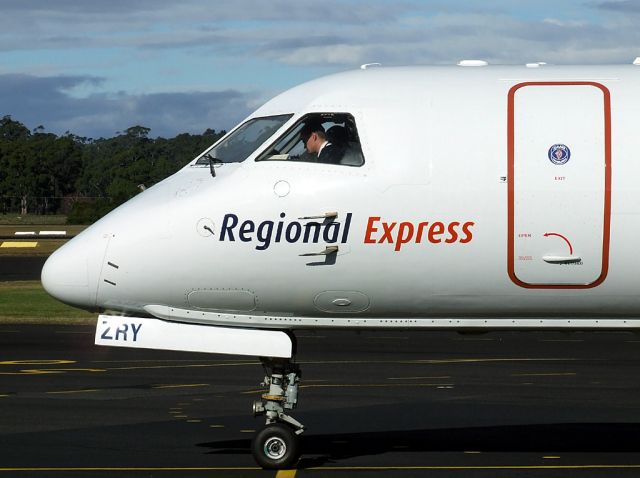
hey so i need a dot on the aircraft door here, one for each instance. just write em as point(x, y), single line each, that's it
point(559, 172)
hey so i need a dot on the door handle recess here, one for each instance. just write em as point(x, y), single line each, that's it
point(561, 259)
point(327, 251)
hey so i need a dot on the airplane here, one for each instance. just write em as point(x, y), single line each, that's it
point(468, 197)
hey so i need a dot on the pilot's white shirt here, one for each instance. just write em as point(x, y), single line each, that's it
point(322, 147)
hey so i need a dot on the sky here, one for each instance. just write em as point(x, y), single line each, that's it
point(98, 67)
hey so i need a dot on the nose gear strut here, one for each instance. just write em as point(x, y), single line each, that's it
point(277, 444)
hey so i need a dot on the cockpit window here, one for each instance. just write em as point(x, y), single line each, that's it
point(239, 145)
point(330, 138)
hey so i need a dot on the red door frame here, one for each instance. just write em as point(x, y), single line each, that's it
point(511, 185)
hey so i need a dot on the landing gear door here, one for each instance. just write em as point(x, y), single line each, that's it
point(559, 184)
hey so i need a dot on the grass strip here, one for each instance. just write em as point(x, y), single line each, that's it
point(28, 219)
point(26, 302)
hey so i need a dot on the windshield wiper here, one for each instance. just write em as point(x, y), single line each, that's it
point(212, 162)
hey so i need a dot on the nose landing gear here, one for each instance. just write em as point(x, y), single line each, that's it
point(277, 445)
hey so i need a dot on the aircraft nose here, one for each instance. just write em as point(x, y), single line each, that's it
point(71, 273)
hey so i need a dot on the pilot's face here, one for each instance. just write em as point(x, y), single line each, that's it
point(312, 144)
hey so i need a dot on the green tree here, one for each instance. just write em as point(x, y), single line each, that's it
point(38, 169)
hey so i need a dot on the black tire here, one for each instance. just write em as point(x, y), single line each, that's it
point(275, 447)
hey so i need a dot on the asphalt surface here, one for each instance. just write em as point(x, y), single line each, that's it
point(16, 268)
point(396, 404)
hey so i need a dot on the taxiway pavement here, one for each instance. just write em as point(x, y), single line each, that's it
point(401, 404)
point(16, 268)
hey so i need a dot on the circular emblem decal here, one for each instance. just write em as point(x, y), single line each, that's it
point(559, 154)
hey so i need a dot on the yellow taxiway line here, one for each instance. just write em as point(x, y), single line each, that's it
point(132, 469)
point(292, 473)
point(67, 392)
point(286, 473)
point(486, 467)
point(183, 385)
point(562, 374)
point(17, 245)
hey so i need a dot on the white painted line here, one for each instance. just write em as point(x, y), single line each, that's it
point(53, 233)
point(25, 233)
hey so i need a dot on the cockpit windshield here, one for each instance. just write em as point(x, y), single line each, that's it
point(329, 138)
point(239, 145)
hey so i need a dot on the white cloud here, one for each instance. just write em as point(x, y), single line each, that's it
point(564, 23)
point(302, 33)
point(320, 54)
point(181, 47)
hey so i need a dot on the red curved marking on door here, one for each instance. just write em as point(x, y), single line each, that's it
point(560, 235)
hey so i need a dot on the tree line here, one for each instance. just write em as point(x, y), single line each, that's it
point(42, 173)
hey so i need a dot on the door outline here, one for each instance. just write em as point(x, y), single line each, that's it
point(511, 185)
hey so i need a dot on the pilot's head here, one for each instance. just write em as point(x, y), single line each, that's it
point(313, 136)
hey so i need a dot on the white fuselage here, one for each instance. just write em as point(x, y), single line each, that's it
point(488, 197)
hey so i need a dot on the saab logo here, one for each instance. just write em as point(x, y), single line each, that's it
point(559, 154)
point(268, 232)
point(437, 232)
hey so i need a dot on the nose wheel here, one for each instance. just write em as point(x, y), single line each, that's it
point(277, 445)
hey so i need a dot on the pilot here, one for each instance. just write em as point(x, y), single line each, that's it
point(315, 141)
point(337, 135)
